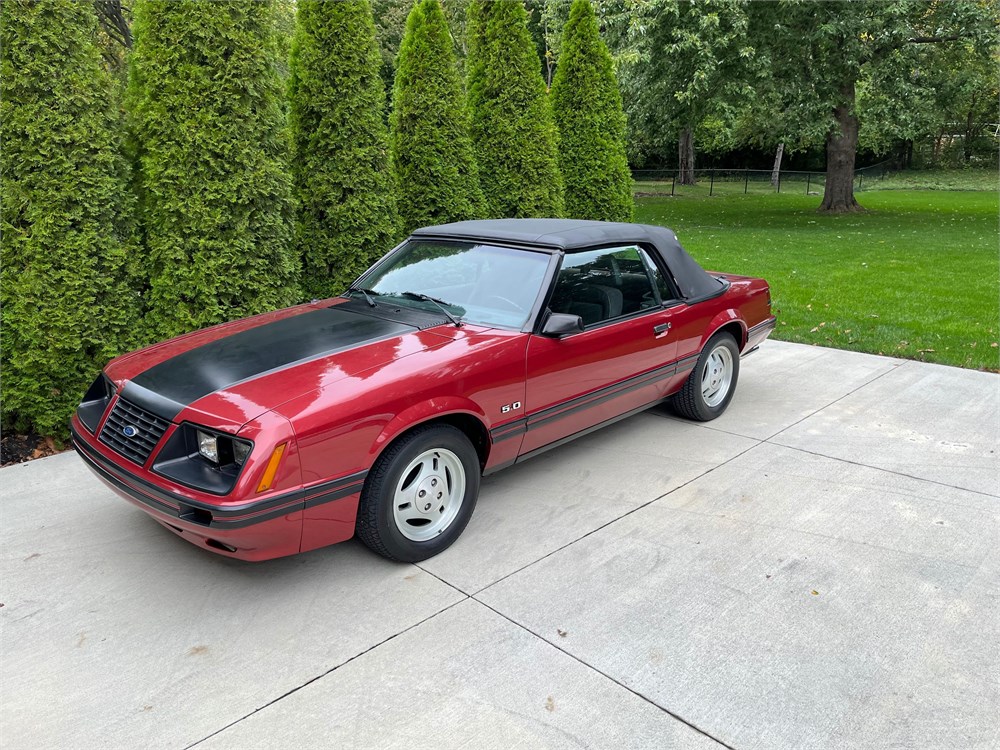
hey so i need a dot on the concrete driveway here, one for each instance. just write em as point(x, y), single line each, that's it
point(819, 568)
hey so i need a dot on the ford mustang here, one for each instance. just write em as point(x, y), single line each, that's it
point(468, 348)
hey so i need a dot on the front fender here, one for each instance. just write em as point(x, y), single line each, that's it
point(423, 412)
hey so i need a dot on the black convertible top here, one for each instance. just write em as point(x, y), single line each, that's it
point(567, 235)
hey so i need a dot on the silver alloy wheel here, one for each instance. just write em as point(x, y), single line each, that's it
point(429, 494)
point(717, 377)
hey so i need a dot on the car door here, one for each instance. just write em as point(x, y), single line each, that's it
point(621, 361)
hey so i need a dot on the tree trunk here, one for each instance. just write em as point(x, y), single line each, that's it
point(969, 134)
point(685, 157)
point(112, 18)
point(841, 150)
point(902, 155)
point(776, 172)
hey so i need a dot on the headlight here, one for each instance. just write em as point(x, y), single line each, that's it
point(222, 450)
point(241, 449)
point(201, 458)
point(208, 446)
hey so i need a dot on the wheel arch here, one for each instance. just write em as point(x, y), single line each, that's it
point(469, 422)
point(730, 322)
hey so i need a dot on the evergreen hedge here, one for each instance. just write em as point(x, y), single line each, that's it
point(66, 213)
point(205, 103)
point(431, 148)
point(346, 193)
point(588, 110)
point(513, 132)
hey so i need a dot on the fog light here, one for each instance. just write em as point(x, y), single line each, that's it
point(208, 446)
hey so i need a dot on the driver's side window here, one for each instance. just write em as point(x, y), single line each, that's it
point(600, 285)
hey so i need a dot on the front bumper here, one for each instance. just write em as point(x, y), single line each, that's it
point(255, 530)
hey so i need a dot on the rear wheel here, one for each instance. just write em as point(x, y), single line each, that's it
point(711, 385)
point(420, 494)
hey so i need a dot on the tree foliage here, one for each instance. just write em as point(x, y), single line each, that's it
point(948, 89)
point(66, 213)
point(346, 193)
point(390, 26)
point(431, 149)
point(588, 112)
point(817, 54)
point(206, 113)
point(689, 74)
point(513, 131)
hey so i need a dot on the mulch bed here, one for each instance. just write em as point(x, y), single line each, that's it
point(16, 449)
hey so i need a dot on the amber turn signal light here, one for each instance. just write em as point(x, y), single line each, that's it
point(272, 468)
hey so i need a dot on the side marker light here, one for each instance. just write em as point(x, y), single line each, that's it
point(272, 468)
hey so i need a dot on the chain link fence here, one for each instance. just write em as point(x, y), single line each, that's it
point(719, 181)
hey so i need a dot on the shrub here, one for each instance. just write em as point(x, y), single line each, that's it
point(345, 189)
point(431, 149)
point(588, 111)
point(513, 133)
point(206, 113)
point(66, 213)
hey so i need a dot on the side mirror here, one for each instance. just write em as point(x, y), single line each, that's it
point(562, 324)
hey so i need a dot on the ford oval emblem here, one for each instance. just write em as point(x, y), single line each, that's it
point(129, 431)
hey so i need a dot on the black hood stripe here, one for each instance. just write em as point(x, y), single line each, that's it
point(166, 388)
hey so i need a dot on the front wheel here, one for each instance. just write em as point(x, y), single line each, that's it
point(420, 494)
point(711, 385)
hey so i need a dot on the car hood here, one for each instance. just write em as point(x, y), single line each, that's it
point(228, 375)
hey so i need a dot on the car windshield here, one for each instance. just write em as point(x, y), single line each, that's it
point(476, 283)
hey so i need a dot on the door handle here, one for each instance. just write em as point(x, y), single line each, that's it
point(661, 329)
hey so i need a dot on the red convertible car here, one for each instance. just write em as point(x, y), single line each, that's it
point(469, 347)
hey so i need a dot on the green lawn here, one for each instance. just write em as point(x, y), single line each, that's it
point(916, 276)
point(937, 179)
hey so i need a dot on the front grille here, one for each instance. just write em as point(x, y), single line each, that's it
point(148, 430)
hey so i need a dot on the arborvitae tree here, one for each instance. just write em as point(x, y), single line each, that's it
point(345, 189)
point(66, 213)
point(206, 107)
point(588, 111)
point(513, 133)
point(431, 149)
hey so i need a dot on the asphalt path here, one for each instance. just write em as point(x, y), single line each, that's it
point(818, 568)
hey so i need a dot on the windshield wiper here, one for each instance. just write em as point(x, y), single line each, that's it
point(367, 293)
point(439, 302)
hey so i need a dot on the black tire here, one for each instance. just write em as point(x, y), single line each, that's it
point(690, 401)
point(377, 525)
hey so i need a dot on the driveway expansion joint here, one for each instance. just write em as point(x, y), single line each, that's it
point(329, 671)
point(867, 383)
point(882, 468)
point(616, 519)
point(606, 676)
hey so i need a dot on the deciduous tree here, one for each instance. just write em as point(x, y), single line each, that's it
point(695, 67)
point(816, 54)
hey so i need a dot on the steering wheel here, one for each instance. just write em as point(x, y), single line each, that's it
point(511, 304)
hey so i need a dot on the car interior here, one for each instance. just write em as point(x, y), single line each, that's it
point(600, 285)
